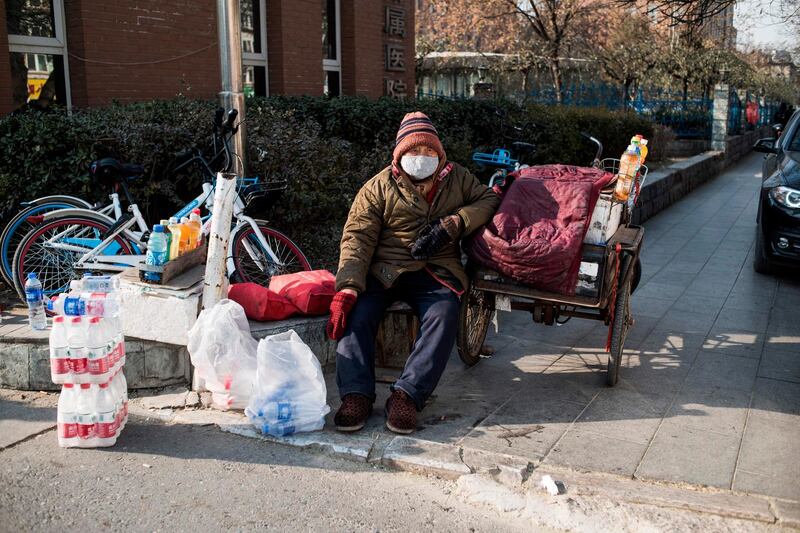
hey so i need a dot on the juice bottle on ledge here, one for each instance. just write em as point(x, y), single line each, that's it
point(164, 222)
point(175, 238)
point(628, 166)
point(196, 228)
point(186, 237)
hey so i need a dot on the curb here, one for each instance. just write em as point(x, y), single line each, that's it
point(453, 461)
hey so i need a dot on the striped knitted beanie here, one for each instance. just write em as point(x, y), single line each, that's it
point(416, 129)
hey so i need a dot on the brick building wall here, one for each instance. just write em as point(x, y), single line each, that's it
point(6, 102)
point(363, 47)
point(127, 47)
point(134, 50)
point(294, 46)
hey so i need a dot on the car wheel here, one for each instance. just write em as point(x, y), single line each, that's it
point(761, 262)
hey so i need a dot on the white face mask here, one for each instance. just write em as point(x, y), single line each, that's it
point(419, 167)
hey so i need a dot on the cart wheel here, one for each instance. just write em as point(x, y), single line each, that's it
point(474, 316)
point(618, 333)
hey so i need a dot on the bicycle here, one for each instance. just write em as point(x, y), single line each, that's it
point(69, 242)
point(20, 225)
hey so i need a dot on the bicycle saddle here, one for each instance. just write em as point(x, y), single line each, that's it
point(110, 169)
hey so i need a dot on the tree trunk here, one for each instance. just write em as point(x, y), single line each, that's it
point(685, 90)
point(555, 72)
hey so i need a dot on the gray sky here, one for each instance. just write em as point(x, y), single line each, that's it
point(757, 22)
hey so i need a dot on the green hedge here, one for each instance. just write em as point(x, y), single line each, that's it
point(326, 148)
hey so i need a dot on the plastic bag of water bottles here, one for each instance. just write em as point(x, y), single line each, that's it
point(223, 353)
point(290, 394)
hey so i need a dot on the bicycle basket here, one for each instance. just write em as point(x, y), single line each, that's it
point(260, 197)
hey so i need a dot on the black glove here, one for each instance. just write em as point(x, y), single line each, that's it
point(430, 240)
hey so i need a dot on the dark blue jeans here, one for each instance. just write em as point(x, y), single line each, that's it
point(437, 309)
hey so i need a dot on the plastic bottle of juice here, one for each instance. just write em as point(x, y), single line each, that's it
point(642, 148)
point(175, 238)
point(164, 222)
point(195, 228)
point(628, 164)
point(186, 238)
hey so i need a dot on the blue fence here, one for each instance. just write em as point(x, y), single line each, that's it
point(749, 113)
point(689, 117)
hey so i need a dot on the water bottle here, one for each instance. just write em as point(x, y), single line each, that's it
point(67, 417)
point(156, 252)
point(186, 236)
point(100, 304)
point(34, 297)
point(67, 304)
point(105, 429)
point(76, 347)
point(97, 351)
point(86, 416)
point(59, 351)
point(195, 228)
point(104, 284)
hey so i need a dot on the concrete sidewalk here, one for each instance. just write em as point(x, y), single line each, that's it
point(709, 394)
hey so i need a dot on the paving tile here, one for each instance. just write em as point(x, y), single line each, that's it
point(686, 322)
point(776, 396)
point(590, 451)
point(736, 319)
point(624, 414)
point(734, 343)
point(768, 460)
point(528, 426)
point(698, 304)
point(650, 307)
point(685, 454)
point(717, 410)
point(780, 364)
point(712, 371)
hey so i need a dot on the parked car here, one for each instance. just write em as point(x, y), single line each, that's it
point(778, 220)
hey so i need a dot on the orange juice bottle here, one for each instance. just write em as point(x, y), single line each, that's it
point(195, 228)
point(186, 236)
point(628, 165)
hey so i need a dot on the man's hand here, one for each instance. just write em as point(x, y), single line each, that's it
point(436, 236)
point(342, 304)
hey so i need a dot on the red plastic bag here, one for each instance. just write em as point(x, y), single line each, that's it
point(260, 303)
point(310, 291)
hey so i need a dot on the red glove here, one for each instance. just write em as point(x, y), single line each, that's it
point(341, 305)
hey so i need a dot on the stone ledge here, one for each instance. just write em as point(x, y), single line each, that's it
point(667, 185)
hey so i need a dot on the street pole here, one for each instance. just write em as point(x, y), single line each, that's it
point(230, 63)
point(215, 280)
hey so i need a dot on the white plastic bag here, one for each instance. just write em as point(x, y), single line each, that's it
point(223, 353)
point(290, 394)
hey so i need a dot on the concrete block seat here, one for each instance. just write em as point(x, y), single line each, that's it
point(395, 337)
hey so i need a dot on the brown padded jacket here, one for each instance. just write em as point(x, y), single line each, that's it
point(388, 213)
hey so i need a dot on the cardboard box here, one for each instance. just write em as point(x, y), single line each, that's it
point(605, 220)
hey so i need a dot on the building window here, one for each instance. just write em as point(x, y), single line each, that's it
point(331, 47)
point(38, 50)
point(254, 47)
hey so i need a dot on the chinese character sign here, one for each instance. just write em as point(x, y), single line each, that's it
point(395, 21)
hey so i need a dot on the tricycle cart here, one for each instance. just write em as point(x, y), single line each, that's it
point(618, 276)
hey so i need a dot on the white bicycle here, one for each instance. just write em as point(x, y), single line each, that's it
point(66, 243)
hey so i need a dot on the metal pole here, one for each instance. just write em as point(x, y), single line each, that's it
point(230, 63)
point(215, 280)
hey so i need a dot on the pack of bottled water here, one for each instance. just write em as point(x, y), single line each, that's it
point(87, 353)
point(92, 415)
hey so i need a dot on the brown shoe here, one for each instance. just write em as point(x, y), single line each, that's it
point(401, 413)
point(353, 413)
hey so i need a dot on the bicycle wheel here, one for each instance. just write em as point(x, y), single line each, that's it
point(19, 226)
point(251, 261)
point(40, 251)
